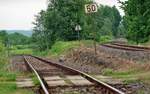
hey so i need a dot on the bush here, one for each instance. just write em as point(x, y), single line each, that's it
point(104, 39)
point(60, 47)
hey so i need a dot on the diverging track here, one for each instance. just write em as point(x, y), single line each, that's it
point(59, 79)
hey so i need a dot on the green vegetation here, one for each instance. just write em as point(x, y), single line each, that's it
point(22, 51)
point(35, 80)
point(18, 39)
point(10, 88)
point(7, 77)
point(129, 76)
point(105, 39)
point(55, 35)
point(137, 20)
point(61, 47)
point(65, 15)
point(14, 38)
point(7, 88)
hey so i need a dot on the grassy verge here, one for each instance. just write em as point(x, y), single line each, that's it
point(22, 51)
point(8, 84)
point(129, 76)
point(61, 47)
point(8, 78)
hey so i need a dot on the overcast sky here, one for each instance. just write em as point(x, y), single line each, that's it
point(19, 14)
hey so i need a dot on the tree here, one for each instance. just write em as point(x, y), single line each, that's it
point(58, 22)
point(137, 19)
point(4, 37)
point(18, 39)
point(112, 19)
point(116, 20)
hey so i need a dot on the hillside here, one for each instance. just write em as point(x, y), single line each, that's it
point(24, 32)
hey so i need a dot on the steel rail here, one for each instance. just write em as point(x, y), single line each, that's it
point(121, 47)
point(132, 46)
point(106, 86)
point(38, 76)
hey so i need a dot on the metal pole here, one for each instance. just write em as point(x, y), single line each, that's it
point(94, 33)
point(95, 48)
point(78, 35)
point(95, 37)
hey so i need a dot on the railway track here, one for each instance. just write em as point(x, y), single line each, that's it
point(59, 79)
point(126, 47)
point(132, 46)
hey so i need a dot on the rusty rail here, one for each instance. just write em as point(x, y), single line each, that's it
point(44, 87)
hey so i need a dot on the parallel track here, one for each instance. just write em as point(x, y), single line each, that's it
point(133, 46)
point(43, 68)
point(126, 47)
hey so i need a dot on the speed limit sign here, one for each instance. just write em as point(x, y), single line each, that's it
point(90, 8)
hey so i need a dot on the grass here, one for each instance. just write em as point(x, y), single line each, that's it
point(40, 53)
point(8, 85)
point(8, 78)
point(11, 88)
point(35, 80)
point(61, 47)
point(7, 88)
point(22, 51)
point(129, 76)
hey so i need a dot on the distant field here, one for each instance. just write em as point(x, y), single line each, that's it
point(22, 51)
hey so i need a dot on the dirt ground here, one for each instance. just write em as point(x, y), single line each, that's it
point(84, 59)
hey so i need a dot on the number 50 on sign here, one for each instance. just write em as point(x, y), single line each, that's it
point(90, 8)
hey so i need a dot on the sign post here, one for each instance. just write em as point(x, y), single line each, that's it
point(78, 29)
point(91, 9)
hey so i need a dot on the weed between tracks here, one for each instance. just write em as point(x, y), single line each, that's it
point(35, 80)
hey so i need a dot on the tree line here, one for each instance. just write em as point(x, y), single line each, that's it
point(13, 38)
point(58, 22)
point(137, 20)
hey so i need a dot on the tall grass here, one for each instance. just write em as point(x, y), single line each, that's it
point(62, 47)
point(8, 78)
